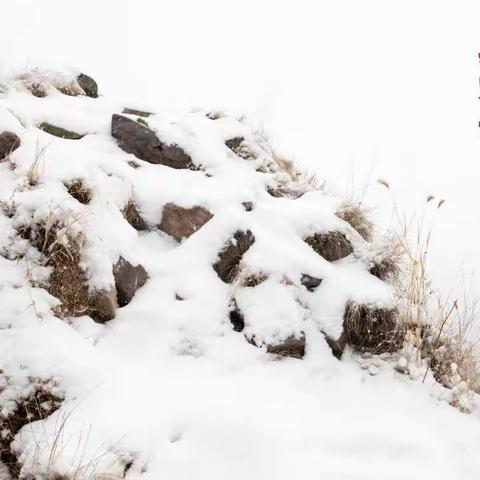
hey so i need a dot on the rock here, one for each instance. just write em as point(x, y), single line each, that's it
point(230, 256)
point(133, 217)
point(238, 147)
point(9, 142)
point(337, 345)
point(236, 318)
point(103, 305)
point(309, 282)
point(88, 85)
point(141, 141)
point(291, 347)
point(128, 279)
point(182, 222)
point(331, 246)
point(138, 113)
point(248, 206)
point(234, 143)
point(59, 131)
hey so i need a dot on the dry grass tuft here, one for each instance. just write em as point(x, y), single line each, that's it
point(79, 190)
point(39, 404)
point(61, 249)
point(132, 215)
point(331, 246)
point(441, 331)
point(357, 216)
point(373, 330)
point(389, 261)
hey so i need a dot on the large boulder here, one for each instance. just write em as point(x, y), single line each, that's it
point(182, 222)
point(230, 256)
point(136, 138)
point(128, 279)
point(9, 142)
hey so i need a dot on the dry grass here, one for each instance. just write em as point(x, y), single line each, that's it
point(37, 166)
point(441, 330)
point(373, 330)
point(41, 403)
point(61, 250)
point(356, 214)
point(79, 190)
point(331, 246)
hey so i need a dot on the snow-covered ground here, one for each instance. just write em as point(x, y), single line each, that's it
point(354, 91)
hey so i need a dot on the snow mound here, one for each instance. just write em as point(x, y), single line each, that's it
point(154, 264)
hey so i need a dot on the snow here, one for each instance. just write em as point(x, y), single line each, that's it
point(345, 89)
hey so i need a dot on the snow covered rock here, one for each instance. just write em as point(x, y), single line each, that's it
point(137, 138)
point(181, 222)
point(9, 142)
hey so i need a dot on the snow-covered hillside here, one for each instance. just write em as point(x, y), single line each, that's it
point(180, 302)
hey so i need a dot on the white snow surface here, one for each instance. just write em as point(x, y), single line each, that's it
point(168, 383)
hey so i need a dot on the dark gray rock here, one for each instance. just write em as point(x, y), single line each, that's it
point(141, 141)
point(88, 85)
point(290, 347)
point(9, 142)
point(236, 318)
point(128, 279)
point(59, 131)
point(309, 282)
point(230, 256)
point(182, 222)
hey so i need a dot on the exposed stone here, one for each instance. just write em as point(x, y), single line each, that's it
point(88, 85)
point(128, 279)
point(234, 143)
point(236, 318)
point(238, 147)
point(103, 305)
point(337, 345)
point(138, 113)
point(133, 217)
point(331, 246)
point(230, 256)
point(248, 206)
point(182, 222)
point(291, 347)
point(59, 131)
point(9, 142)
point(141, 141)
point(309, 282)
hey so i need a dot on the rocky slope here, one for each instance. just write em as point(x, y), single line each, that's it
point(154, 266)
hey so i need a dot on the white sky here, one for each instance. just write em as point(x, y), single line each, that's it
point(350, 89)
